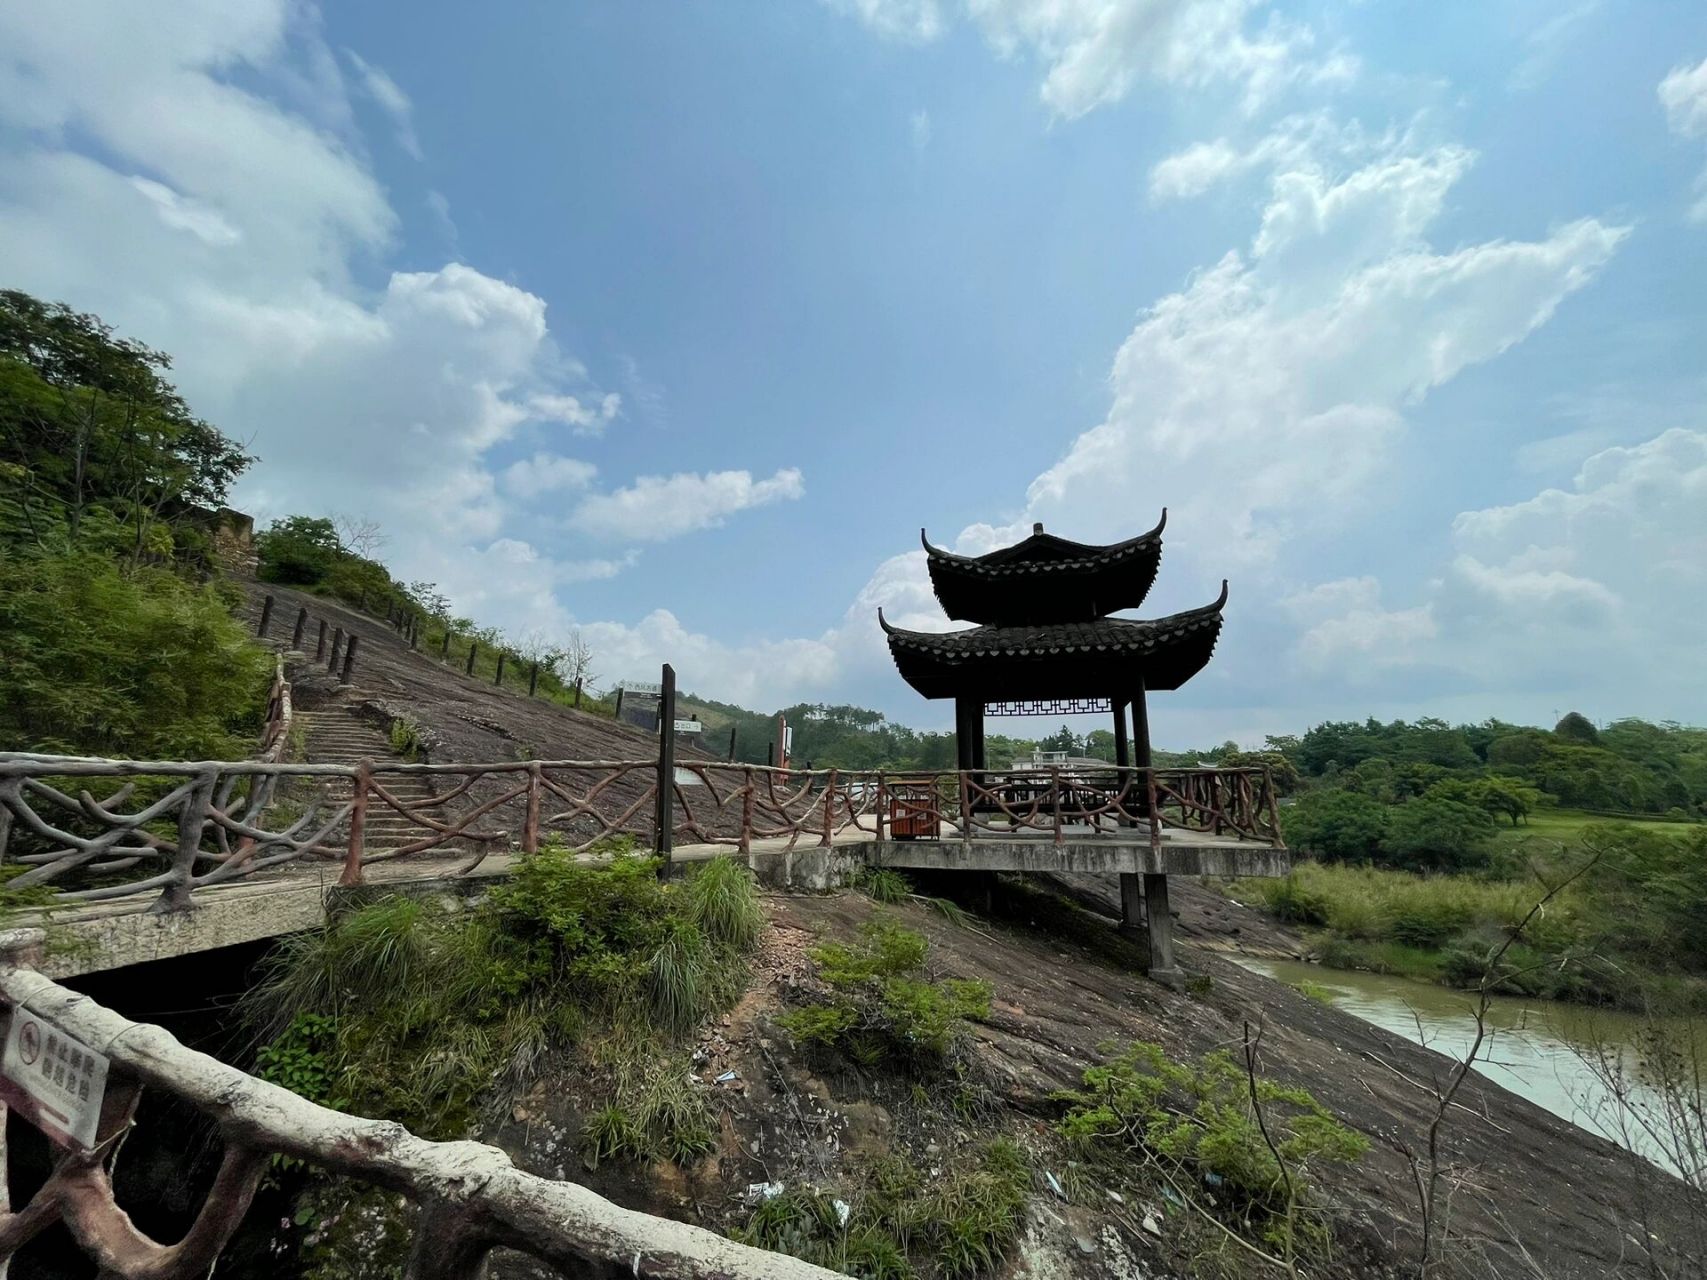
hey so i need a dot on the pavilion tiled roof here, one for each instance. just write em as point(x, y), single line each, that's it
point(1045, 578)
point(1058, 659)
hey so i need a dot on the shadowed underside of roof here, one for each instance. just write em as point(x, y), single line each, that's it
point(1099, 658)
point(1045, 579)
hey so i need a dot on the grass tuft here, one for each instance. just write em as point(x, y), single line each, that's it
point(723, 900)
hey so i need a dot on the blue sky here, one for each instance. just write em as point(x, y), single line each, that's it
point(675, 322)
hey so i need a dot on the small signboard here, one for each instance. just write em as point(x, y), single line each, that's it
point(56, 1081)
point(688, 726)
point(649, 687)
point(689, 778)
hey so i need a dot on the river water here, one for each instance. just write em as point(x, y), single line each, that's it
point(1539, 1049)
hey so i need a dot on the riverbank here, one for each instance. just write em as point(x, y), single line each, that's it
point(1607, 939)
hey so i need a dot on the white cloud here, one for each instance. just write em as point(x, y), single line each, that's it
point(1300, 142)
point(587, 419)
point(1557, 590)
point(547, 473)
point(1095, 50)
point(1264, 399)
point(921, 129)
point(1347, 630)
point(657, 508)
point(182, 214)
point(386, 95)
point(1683, 94)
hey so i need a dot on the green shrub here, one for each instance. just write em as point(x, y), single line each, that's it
point(884, 1013)
point(1199, 1125)
point(417, 1010)
point(105, 660)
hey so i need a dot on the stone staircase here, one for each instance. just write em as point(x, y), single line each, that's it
point(335, 736)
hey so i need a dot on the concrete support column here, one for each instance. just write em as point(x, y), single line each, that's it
point(1131, 902)
point(1163, 968)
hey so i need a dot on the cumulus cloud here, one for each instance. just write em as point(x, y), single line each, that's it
point(1094, 51)
point(1554, 590)
point(1683, 94)
point(547, 473)
point(657, 508)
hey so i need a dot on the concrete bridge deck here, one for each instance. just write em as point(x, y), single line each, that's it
point(89, 938)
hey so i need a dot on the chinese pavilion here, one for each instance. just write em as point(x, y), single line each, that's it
point(1045, 642)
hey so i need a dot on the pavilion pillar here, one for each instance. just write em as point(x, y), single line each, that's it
point(979, 759)
point(1131, 891)
point(963, 733)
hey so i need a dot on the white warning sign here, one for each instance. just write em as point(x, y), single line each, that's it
point(54, 1080)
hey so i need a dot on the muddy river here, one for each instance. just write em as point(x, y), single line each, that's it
point(1550, 1053)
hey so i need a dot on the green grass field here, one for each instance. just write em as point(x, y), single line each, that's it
point(1566, 825)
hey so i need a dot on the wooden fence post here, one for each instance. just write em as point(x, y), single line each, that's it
point(349, 659)
point(473, 648)
point(732, 729)
point(266, 616)
point(337, 645)
point(664, 840)
point(619, 693)
point(877, 822)
point(358, 827)
point(301, 623)
point(747, 816)
point(577, 695)
point(533, 680)
point(829, 807)
point(499, 678)
point(444, 649)
point(530, 825)
point(320, 644)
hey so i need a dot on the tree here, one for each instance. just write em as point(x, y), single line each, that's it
point(1336, 824)
point(1436, 834)
point(89, 423)
point(1575, 727)
point(1063, 739)
point(359, 535)
point(298, 550)
point(575, 659)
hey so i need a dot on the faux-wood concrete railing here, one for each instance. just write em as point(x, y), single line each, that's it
point(193, 825)
point(469, 1198)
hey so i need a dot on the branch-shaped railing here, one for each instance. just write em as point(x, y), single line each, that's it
point(173, 827)
point(469, 1198)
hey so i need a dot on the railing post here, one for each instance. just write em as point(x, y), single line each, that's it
point(747, 814)
point(530, 826)
point(533, 680)
point(444, 648)
point(191, 819)
point(349, 658)
point(1055, 800)
point(266, 616)
point(337, 644)
point(577, 694)
point(320, 644)
point(829, 807)
point(665, 841)
point(301, 623)
point(965, 806)
point(473, 648)
point(358, 827)
point(877, 822)
point(1155, 813)
point(499, 678)
point(732, 731)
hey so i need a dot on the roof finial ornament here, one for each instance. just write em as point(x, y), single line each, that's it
point(1037, 527)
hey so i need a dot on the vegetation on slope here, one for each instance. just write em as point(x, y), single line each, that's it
point(114, 643)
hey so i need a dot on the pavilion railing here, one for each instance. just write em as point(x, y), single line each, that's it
point(90, 830)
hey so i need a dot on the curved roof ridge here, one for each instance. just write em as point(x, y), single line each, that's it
point(1086, 550)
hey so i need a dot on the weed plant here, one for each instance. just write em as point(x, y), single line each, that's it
point(903, 1224)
